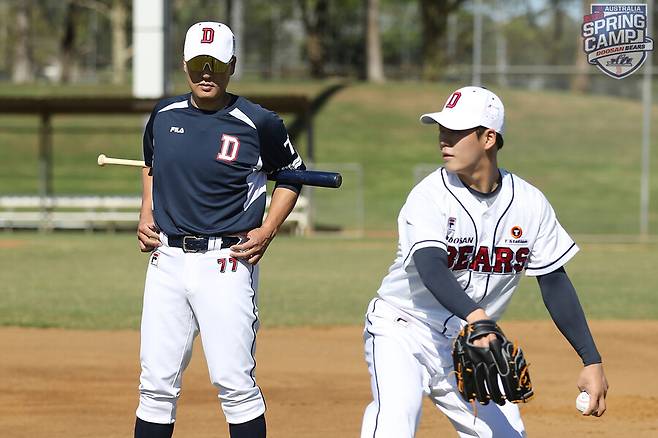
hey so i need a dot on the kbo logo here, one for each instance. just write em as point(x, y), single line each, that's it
point(615, 38)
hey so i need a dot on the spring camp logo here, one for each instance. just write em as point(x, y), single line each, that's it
point(615, 38)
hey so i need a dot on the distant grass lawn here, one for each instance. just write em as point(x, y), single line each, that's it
point(96, 281)
point(582, 151)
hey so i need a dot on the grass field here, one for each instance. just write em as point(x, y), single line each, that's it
point(582, 151)
point(95, 281)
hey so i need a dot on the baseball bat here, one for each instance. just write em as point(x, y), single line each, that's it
point(103, 160)
point(316, 178)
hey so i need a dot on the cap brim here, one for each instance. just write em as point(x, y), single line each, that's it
point(429, 118)
point(225, 57)
point(447, 120)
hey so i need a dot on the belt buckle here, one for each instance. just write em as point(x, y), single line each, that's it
point(193, 243)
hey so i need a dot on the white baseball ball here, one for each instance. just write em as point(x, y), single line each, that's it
point(582, 401)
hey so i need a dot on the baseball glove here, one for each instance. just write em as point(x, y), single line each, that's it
point(478, 369)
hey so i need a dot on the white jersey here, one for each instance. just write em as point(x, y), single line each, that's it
point(488, 246)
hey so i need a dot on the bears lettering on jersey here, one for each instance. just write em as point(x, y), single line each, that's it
point(505, 260)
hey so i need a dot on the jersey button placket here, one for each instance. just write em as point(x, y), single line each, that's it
point(481, 237)
point(488, 224)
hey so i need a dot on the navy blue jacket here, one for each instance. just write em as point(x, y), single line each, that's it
point(209, 167)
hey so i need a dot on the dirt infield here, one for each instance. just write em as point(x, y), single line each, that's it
point(69, 384)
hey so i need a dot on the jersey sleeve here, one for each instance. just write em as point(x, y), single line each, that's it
point(277, 150)
point(553, 247)
point(421, 224)
point(148, 139)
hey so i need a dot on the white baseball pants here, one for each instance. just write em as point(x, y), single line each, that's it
point(188, 293)
point(407, 360)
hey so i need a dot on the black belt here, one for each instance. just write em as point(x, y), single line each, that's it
point(200, 243)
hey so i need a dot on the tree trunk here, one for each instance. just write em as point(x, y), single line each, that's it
point(68, 58)
point(315, 52)
point(315, 25)
point(118, 20)
point(554, 50)
point(501, 54)
point(432, 30)
point(22, 68)
point(5, 51)
point(434, 20)
point(581, 81)
point(237, 25)
point(374, 65)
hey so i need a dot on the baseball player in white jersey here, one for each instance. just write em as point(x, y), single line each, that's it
point(466, 234)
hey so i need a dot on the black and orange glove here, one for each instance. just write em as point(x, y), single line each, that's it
point(477, 369)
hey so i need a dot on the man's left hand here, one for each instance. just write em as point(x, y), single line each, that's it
point(253, 249)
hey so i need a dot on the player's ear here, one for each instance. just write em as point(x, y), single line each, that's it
point(490, 139)
point(184, 66)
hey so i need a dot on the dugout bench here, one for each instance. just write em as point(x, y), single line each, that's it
point(47, 211)
point(110, 213)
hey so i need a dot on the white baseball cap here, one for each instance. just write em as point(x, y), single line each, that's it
point(209, 38)
point(470, 107)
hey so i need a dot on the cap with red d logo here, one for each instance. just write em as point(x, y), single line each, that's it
point(209, 38)
point(470, 107)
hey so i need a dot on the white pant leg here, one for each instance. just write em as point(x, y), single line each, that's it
point(396, 377)
point(491, 421)
point(168, 330)
point(225, 305)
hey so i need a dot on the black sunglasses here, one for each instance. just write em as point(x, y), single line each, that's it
point(199, 63)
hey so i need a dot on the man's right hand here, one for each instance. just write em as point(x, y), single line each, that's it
point(148, 235)
point(593, 381)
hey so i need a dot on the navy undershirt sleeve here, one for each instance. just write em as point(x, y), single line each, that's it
point(432, 266)
point(562, 303)
point(275, 151)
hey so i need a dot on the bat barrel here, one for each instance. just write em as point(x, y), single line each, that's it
point(308, 177)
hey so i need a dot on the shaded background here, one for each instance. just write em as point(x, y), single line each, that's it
point(572, 131)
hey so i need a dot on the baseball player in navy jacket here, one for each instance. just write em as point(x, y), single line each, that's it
point(207, 154)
